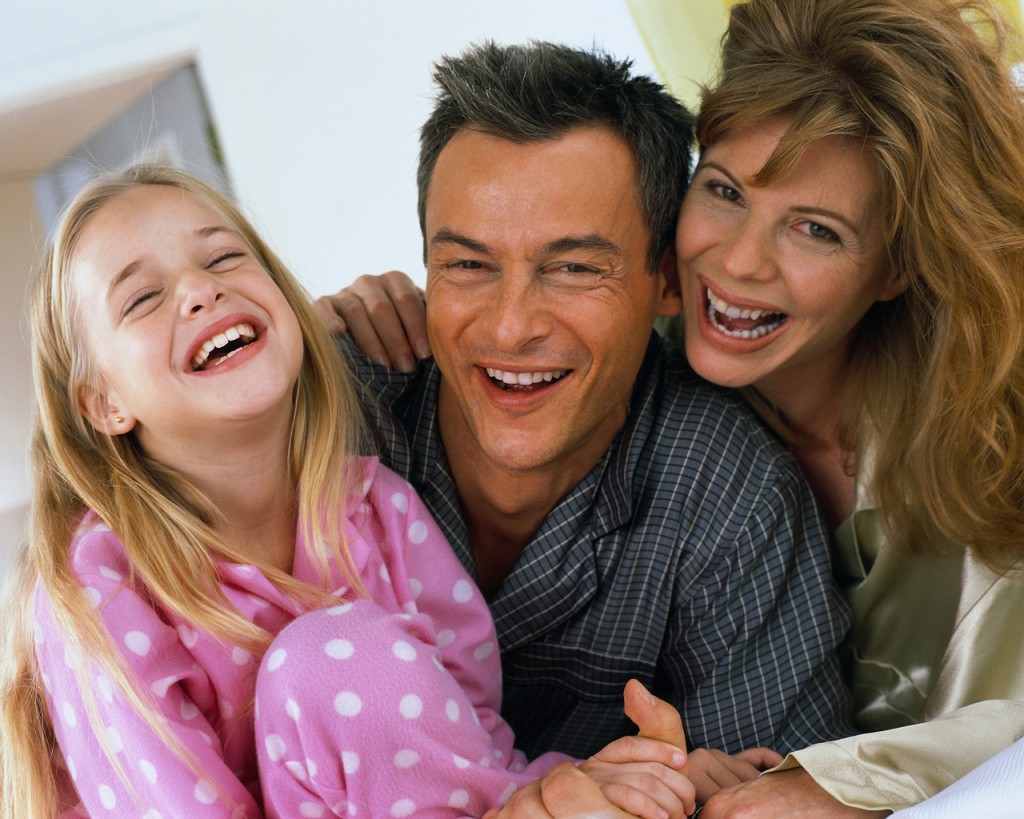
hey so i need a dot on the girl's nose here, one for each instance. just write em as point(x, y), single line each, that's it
point(199, 291)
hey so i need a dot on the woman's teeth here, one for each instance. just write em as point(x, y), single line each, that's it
point(741, 322)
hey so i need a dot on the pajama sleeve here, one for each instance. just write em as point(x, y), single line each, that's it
point(120, 766)
point(429, 579)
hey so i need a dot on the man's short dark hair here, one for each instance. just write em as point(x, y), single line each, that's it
point(541, 91)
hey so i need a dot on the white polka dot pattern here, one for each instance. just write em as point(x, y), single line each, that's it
point(371, 719)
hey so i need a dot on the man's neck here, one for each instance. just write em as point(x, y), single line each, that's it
point(503, 508)
point(502, 512)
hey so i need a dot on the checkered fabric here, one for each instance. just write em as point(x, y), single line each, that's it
point(692, 556)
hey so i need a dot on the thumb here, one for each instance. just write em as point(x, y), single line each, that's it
point(654, 717)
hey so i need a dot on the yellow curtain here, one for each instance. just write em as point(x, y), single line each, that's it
point(682, 37)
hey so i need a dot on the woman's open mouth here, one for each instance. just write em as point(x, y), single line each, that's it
point(741, 322)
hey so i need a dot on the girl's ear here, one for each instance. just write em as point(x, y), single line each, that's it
point(102, 411)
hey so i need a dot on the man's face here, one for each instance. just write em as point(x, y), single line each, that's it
point(540, 303)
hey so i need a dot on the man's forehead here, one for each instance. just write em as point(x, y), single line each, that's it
point(580, 184)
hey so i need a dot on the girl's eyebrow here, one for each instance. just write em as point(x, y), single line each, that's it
point(132, 267)
point(203, 232)
point(128, 270)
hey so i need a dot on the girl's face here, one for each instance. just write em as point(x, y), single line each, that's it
point(776, 278)
point(188, 333)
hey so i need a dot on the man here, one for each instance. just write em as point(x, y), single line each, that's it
point(623, 518)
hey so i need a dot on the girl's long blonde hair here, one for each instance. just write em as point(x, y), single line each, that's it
point(938, 373)
point(166, 525)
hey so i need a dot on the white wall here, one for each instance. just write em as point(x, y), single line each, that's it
point(317, 105)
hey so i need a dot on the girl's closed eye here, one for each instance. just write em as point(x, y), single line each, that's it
point(223, 258)
point(139, 299)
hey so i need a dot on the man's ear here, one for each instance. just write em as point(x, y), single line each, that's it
point(102, 411)
point(670, 299)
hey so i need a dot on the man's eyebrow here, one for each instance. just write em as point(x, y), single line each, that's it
point(450, 237)
point(591, 241)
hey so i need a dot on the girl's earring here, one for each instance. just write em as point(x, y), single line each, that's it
point(119, 419)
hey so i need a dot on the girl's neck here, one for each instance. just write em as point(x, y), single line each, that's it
point(248, 480)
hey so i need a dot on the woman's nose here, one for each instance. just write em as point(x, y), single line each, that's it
point(747, 253)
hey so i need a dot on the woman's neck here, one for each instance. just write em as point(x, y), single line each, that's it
point(812, 410)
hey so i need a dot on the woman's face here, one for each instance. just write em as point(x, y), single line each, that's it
point(775, 278)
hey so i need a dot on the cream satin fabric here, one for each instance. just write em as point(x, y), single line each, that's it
point(936, 655)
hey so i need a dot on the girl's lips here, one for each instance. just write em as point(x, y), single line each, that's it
point(199, 348)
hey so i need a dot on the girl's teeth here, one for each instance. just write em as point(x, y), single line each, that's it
point(239, 331)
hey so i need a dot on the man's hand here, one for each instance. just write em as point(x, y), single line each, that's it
point(637, 774)
point(385, 316)
point(709, 771)
point(791, 793)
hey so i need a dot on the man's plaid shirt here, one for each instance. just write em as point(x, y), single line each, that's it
point(692, 557)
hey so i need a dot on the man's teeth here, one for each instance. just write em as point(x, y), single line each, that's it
point(524, 379)
point(718, 308)
point(243, 332)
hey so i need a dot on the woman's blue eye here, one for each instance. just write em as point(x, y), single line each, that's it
point(821, 232)
point(724, 191)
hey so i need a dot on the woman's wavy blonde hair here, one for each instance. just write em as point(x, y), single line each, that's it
point(166, 525)
point(938, 374)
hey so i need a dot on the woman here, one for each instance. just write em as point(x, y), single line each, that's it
point(852, 257)
point(850, 252)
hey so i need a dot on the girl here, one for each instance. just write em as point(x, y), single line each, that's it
point(196, 494)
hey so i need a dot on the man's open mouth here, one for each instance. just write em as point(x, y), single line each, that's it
point(524, 382)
